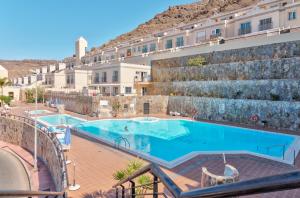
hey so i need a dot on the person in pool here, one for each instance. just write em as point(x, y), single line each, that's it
point(126, 128)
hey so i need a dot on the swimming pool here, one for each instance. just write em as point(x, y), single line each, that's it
point(59, 119)
point(170, 142)
point(39, 112)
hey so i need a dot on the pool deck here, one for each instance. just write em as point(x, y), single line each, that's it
point(96, 163)
point(40, 180)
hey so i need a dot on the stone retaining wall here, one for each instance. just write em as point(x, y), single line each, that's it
point(288, 68)
point(274, 90)
point(128, 105)
point(22, 134)
point(278, 115)
point(262, 52)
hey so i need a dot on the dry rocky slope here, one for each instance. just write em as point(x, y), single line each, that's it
point(22, 67)
point(181, 14)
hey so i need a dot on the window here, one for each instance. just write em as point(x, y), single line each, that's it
point(128, 90)
point(112, 57)
point(245, 28)
point(115, 77)
point(97, 78)
point(169, 44)
point(265, 24)
point(179, 41)
point(152, 47)
point(200, 36)
point(216, 31)
point(128, 53)
point(115, 90)
point(104, 77)
point(103, 90)
point(95, 59)
point(139, 49)
point(292, 15)
point(11, 94)
point(99, 58)
point(145, 49)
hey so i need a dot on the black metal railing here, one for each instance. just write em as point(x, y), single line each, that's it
point(286, 181)
point(244, 31)
point(265, 26)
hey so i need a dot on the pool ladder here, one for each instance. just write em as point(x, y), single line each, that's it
point(118, 141)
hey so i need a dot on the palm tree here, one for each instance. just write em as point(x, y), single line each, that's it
point(4, 82)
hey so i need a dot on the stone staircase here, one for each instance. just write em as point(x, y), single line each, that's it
point(259, 87)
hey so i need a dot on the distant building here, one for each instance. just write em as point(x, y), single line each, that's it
point(3, 72)
point(80, 49)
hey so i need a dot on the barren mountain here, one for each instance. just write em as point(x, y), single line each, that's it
point(22, 67)
point(181, 14)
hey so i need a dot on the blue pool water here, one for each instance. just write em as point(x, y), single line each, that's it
point(38, 112)
point(59, 119)
point(169, 140)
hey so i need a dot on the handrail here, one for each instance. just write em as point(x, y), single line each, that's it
point(280, 182)
point(121, 138)
point(13, 193)
point(155, 170)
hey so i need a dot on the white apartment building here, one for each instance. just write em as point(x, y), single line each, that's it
point(266, 16)
point(119, 78)
point(78, 78)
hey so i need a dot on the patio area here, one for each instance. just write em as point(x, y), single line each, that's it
point(96, 163)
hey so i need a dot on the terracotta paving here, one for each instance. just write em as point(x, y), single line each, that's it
point(96, 163)
point(40, 180)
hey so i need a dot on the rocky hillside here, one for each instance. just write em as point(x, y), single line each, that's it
point(181, 14)
point(22, 67)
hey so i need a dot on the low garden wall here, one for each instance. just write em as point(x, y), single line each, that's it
point(127, 105)
point(278, 115)
point(15, 131)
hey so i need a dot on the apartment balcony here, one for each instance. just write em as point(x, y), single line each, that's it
point(245, 31)
point(265, 26)
point(142, 79)
point(104, 80)
point(115, 78)
point(215, 36)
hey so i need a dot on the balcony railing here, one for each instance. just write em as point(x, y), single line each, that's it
point(244, 31)
point(115, 78)
point(285, 181)
point(265, 26)
point(214, 36)
point(103, 79)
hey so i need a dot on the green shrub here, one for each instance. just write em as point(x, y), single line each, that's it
point(131, 168)
point(196, 61)
point(5, 99)
point(30, 95)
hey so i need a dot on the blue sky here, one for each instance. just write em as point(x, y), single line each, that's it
point(47, 29)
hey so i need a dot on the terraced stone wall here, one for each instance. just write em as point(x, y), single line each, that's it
point(262, 52)
point(278, 115)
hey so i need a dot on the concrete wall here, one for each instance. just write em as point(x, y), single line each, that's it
point(21, 134)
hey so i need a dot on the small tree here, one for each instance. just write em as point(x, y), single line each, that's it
point(116, 107)
point(30, 95)
point(196, 61)
point(131, 168)
point(4, 82)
